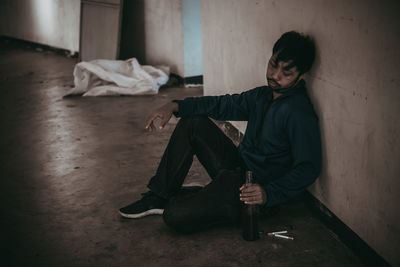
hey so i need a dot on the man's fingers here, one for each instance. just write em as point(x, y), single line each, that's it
point(253, 194)
point(250, 189)
point(151, 127)
point(164, 121)
point(252, 200)
point(149, 122)
point(250, 193)
point(247, 191)
point(249, 196)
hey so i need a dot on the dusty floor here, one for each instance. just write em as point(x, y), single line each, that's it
point(68, 165)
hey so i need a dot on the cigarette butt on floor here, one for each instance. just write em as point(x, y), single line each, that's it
point(276, 233)
point(284, 236)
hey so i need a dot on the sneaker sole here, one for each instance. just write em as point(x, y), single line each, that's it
point(143, 214)
point(193, 184)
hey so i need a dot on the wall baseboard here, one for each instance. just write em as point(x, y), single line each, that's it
point(38, 46)
point(358, 246)
point(194, 80)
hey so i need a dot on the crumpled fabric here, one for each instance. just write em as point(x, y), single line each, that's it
point(103, 77)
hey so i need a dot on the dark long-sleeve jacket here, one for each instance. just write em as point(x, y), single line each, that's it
point(281, 145)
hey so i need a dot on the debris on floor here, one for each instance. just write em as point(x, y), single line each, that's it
point(103, 77)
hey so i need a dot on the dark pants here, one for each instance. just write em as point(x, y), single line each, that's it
point(218, 202)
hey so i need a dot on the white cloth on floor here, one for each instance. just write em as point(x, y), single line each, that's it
point(117, 77)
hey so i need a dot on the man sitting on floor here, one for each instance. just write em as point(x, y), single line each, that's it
point(281, 146)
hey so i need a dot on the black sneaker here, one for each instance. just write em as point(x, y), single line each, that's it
point(150, 204)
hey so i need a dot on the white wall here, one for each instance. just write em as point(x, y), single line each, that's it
point(163, 25)
point(355, 87)
point(166, 32)
point(50, 22)
point(192, 40)
point(163, 34)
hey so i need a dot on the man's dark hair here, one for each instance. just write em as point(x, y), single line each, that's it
point(296, 47)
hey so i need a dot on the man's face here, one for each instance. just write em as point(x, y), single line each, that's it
point(280, 75)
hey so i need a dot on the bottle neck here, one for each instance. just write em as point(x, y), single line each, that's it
point(249, 178)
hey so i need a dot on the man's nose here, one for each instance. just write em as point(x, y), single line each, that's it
point(276, 75)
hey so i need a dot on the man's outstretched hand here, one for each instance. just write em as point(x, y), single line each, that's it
point(253, 194)
point(164, 113)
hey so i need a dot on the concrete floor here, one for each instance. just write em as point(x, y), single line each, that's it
point(68, 165)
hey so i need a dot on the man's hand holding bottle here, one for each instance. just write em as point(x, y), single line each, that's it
point(253, 194)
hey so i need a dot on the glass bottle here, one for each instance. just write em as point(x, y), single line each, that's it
point(249, 215)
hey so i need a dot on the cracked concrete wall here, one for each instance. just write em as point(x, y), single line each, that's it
point(49, 22)
point(354, 85)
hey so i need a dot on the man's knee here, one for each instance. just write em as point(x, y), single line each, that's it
point(176, 219)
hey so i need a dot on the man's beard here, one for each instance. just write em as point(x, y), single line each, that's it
point(278, 89)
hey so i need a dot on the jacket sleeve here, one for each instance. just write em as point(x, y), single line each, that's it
point(235, 107)
point(304, 137)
